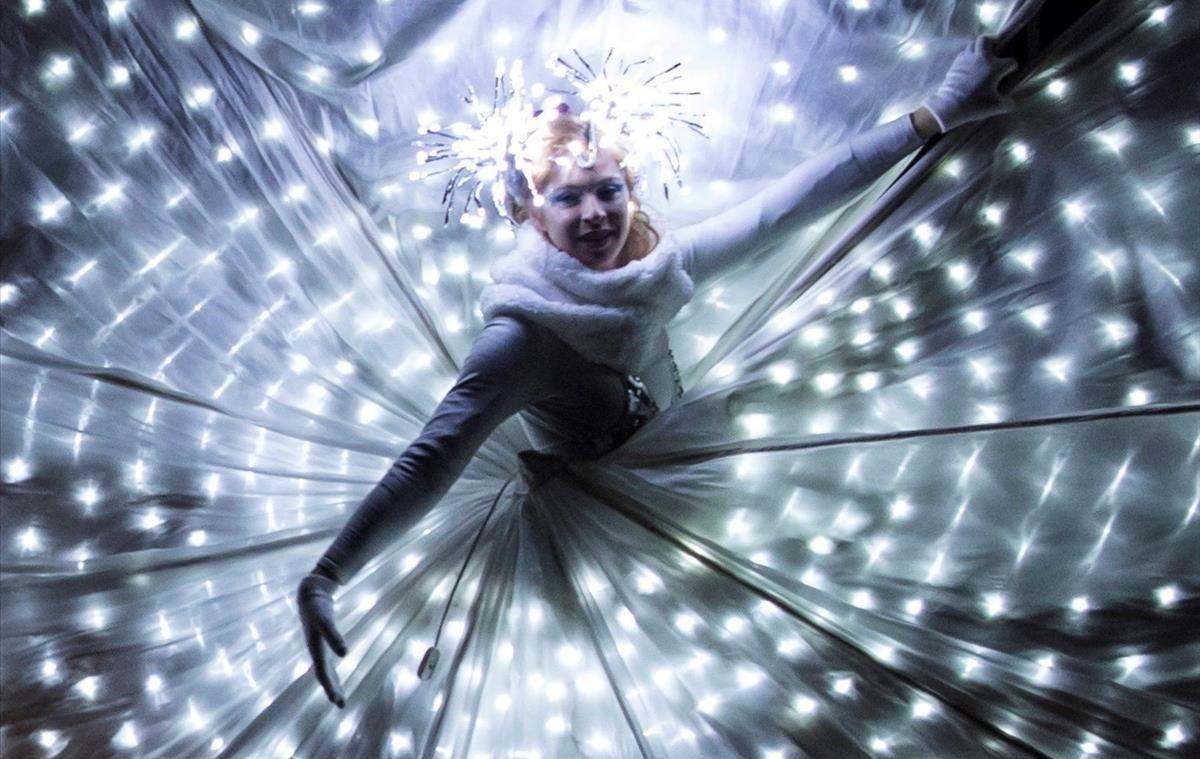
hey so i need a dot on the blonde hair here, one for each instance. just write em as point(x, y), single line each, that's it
point(560, 134)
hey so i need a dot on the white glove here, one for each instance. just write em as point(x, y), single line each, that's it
point(970, 90)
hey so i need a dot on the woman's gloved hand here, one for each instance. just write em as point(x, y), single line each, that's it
point(315, 601)
point(970, 90)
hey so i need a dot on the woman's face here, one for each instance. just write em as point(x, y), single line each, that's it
point(587, 212)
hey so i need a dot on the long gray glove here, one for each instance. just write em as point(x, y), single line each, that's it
point(970, 90)
point(315, 601)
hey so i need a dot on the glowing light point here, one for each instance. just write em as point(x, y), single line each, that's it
point(827, 382)
point(50, 671)
point(804, 705)
point(993, 604)
point(959, 273)
point(200, 96)
point(1173, 736)
point(89, 495)
point(141, 138)
point(186, 29)
point(59, 67)
point(1037, 316)
point(848, 74)
point(748, 677)
point(50, 209)
point(821, 545)
point(969, 665)
point(988, 12)
point(250, 34)
point(1114, 138)
point(88, 687)
point(1130, 72)
point(782, 113)
point(1167, 595)
point(1137, 397)
point(1044, 665)
point(1027, 258)
point(907, 350)
point(953, 168)
point(781, 372)
point(79, 132)
point(925, 234)
point(1080, 604)
point(118, 76)
point(1058, 367)
point(1057, 88)
point(370, 53)
point(126, 737)
point(116, 12)
point(33, 8)
point(781, 68)
point(29, 540)
point(368, 412)
point(756, 425)
point(686, 623)
point(1075, 210)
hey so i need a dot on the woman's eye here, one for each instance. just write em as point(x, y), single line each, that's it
point(609, 192)
point(566, 199)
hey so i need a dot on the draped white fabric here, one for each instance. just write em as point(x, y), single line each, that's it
point(940, 499)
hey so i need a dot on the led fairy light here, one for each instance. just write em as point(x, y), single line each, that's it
point(641, 111)
point(498, 154)
point(482, 153)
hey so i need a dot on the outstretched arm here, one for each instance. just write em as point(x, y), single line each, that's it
point(803, 194)
point(970, 91)
point(499, 377)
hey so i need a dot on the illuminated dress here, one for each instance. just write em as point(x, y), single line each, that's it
point(933, 495)
point(578, 408)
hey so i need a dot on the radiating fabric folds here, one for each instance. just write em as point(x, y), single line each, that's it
point(940, 499)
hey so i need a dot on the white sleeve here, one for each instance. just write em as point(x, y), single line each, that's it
point(797, 198)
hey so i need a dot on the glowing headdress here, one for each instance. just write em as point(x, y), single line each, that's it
point(498, 153)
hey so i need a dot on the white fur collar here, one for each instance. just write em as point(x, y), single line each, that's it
point(617, 318)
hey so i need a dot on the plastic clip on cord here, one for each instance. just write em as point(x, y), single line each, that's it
point(432, 656)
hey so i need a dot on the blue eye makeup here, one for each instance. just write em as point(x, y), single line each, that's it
point(605, 192)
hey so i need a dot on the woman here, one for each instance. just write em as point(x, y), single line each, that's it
point(575, 335)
